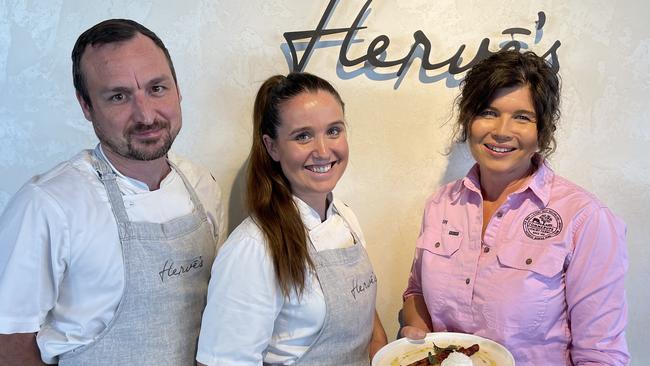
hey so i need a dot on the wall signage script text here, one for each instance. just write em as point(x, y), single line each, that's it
point(375, 56)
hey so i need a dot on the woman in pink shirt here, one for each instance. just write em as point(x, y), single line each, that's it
point(513, 252)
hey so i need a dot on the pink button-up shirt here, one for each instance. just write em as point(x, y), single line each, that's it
point(546, 280)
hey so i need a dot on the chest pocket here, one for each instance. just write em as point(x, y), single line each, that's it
point(544, 260)
point(530, 282)
point(441, 243)
point(440, 263)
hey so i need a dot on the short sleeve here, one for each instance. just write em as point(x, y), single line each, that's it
point(34, 245)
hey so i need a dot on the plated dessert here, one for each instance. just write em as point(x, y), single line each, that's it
point(444, 349)
point(451, 355)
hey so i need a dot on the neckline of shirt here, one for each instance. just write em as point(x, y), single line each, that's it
point(135, 185)
point(310, 217)
point(539, 183)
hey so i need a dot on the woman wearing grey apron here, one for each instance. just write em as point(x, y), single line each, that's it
point(293, 284)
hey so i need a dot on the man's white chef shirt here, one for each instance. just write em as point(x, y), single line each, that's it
point(61, 270)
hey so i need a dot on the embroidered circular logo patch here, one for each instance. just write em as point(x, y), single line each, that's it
point(543, 224)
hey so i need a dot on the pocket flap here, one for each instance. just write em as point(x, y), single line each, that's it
point(445, 243)
point(547, 260)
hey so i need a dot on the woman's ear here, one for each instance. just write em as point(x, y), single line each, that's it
point(271, 147)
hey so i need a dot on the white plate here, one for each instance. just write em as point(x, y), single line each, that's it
point(404, 351)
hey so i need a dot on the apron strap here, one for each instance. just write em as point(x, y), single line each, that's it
point(109, 179)
point(355, 236)
point(198, 206)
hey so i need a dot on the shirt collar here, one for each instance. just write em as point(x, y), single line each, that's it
point(542, 180)
point(310, 217)
point(134, 182)
point(539, 184)
point(471, 181)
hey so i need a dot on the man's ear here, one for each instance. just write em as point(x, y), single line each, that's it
point(271, 147)
point(84, 107)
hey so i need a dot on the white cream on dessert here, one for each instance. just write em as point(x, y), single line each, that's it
point(457, 359)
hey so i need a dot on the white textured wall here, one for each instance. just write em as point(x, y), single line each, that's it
point(224, 49)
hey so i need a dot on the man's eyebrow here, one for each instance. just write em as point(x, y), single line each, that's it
point(116, 89)
point(123, 89)
point(159, 79)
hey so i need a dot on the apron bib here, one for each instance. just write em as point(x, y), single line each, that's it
point(166, 272)
point(349, 287)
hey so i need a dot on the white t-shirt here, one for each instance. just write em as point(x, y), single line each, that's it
point(247, 320)
point(61, 270)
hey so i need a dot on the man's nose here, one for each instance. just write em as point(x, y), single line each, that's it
point(143, 111)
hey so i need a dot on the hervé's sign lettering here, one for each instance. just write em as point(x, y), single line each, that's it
point(375, 56)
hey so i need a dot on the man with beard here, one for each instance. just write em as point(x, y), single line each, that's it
point(105, 259)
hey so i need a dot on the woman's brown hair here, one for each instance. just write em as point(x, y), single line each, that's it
point(506, 69)
point(268, 193)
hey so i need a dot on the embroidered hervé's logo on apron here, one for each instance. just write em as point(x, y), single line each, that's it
point(542, 224)
point(360, 287)
point(173, 269)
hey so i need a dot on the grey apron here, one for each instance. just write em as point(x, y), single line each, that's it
point(350, 287)
point(166, 273)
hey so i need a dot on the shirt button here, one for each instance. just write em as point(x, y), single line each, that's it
point(437, 244)
point(486, 249)
point(467, 281)
point(499, 214)
point(529, 261)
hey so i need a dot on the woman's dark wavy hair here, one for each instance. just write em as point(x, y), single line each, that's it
point(507, 69)
point(269, 196)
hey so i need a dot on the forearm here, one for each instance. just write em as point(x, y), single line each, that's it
point(416, 314)
point(19, 349)
point(379, 338)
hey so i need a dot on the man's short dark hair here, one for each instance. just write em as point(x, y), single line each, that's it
point(109, 31)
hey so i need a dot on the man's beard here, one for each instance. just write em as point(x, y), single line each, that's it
point(144, 154)
point(136, 151)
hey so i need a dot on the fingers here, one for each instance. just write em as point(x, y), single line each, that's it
point(412, 332)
